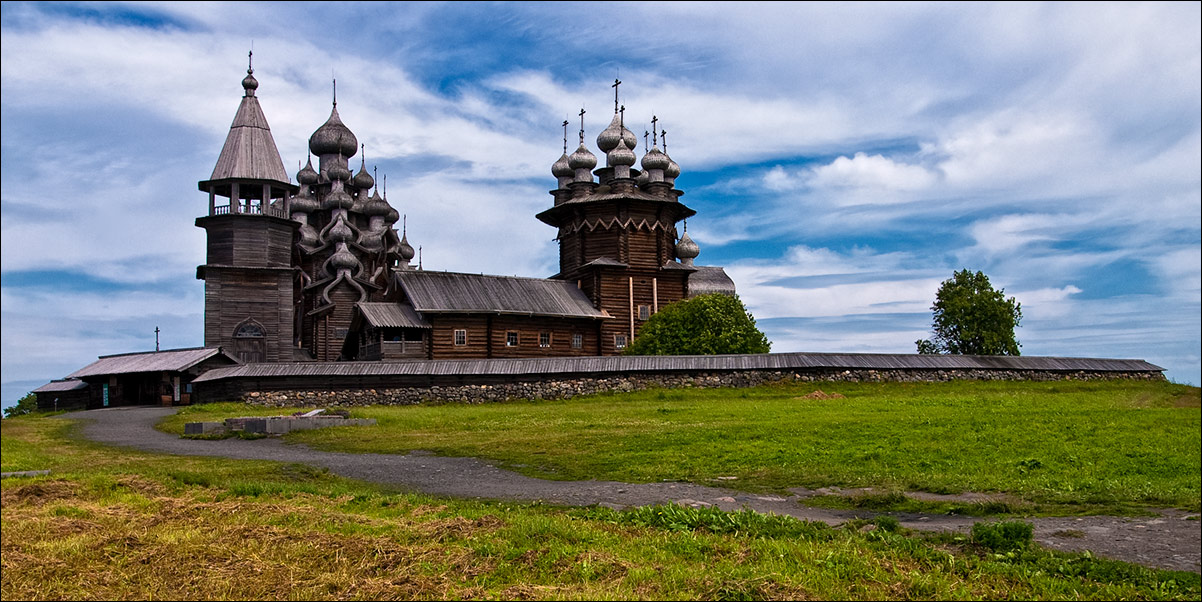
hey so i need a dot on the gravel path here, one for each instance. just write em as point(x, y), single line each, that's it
point(1172, 540)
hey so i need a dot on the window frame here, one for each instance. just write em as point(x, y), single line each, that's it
point(457, 339)
point(544, 339)
point(577, 340)
point(620, 341)
point(644, 313)
point(512, 338)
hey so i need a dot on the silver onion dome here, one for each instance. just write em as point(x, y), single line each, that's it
point(562, 168)
point(686, 249)
point(307, 175)
point(333, 137)
point(655, 159)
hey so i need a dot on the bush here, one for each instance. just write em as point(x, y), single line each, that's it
point(25, 405)
point(705, 325)
point(1003, 536)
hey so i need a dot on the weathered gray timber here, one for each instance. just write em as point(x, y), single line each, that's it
point(499, 379)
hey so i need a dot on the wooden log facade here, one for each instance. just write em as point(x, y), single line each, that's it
point(307, 271)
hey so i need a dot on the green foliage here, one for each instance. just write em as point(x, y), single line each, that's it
point(705, 325)
point(674, 517)
point(25, 405)
point(1005, 536)
point(972, 318)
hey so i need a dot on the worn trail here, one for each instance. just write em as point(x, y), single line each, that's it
point(1172, 540)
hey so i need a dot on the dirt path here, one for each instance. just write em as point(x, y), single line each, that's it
point(1170, 541)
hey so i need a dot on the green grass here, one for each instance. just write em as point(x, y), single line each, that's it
point(1063, 447)
point(116, 524)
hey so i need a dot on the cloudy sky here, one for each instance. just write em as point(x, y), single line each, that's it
point(843, 159)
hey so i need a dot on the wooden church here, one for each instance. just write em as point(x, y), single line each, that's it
point(317, 271)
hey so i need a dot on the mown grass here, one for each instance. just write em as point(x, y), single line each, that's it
point(1063, 447)
point(115, 524)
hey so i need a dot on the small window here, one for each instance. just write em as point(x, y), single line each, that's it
point(511, 339)
point(619, 341)
point(577, 341)
point(461, 337)
point(644, 312)
point(544, 339)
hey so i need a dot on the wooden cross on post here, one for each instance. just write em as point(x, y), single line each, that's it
point(617, 82)
point(581, 125)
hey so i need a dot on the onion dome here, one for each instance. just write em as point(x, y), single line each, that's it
point(304, 203)
point(343, 259)
point(338, 199)
point(672, 170)
point(405, 249)
point(249, 83)
point(655, 159)
point(686, 249)
point(333, 138)
point(616, 133)
point(562, 168)
point(582, 159)
point(363, 180)
point(376, 206)
point(392, 216)
point(308, 175)
point(620, 156)
point(338, 172)
point(644, 178)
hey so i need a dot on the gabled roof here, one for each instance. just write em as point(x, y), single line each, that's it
point(250, 152)
point(66, 384)
point(449, 292)
point(171, 360)
point(710, 279)
point(388, 315)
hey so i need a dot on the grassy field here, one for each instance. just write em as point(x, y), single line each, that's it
point(1062, 447)
point(110, 524)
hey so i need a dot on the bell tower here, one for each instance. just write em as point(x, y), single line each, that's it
point(248, 273)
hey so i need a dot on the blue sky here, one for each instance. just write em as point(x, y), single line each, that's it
point(843, 159)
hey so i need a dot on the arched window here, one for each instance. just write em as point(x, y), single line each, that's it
point(250, 342)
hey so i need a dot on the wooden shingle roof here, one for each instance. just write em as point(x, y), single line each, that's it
point(66, 384)
point(171, 360)
point(601, 366)
point(450, 292)
point(389, 315)
point(250, 152)
point(710, 279)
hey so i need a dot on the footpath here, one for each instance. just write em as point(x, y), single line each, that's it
point(1172, 540)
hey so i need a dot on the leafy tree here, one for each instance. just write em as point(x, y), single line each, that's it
point(25, 405)
point(970, 317)
point(704, 325)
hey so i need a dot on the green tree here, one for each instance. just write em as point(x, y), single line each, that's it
point(704, 325)
point(972, 318)
point(25, 405)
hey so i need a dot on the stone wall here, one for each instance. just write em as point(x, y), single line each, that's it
point(566, 388)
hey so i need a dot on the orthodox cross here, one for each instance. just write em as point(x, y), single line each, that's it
point(617, 82)
point(375, 170)
point(335, 80)
point(156, 338)
point(663, 134)
point(565, 136)
point(250, 62)
point(654, 121)
point(581, 125)
point(622, 120)
point(645, 134)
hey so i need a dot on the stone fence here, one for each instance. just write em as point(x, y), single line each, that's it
point(566, 387)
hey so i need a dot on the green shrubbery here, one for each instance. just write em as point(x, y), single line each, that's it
point(705, 325)
point(1005, 536)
